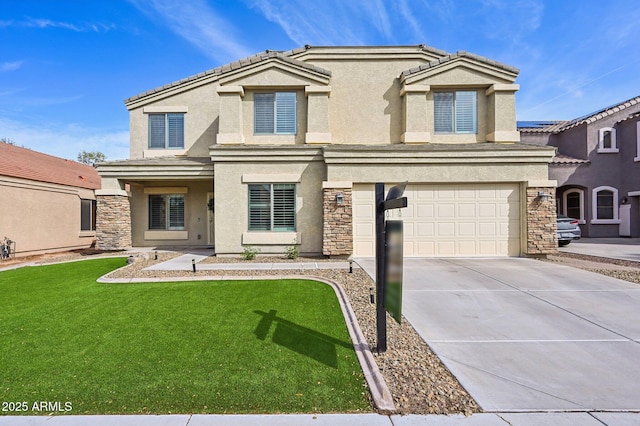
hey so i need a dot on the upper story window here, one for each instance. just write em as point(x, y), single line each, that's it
point(455, 112)
point(275, 113)
point(166, 212)
point(166, 131)
point(607, 140)
point(272, 207)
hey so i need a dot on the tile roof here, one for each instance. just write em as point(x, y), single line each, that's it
point(259, 57)
point(27, 164)
point(561, 159)
point(288, 56)
point(559, 126)
point(460, 54)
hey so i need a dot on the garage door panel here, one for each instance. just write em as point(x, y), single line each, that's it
point(452, 219)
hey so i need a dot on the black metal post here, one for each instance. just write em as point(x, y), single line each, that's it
point(381, 315)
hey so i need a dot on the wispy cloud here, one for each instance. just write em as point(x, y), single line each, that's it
point(66, 141)
point(199, 24)
point(10, 66)
point(43, 23)
point(329, 22)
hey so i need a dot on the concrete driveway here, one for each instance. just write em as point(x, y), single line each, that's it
point(616, 248)
point(525, 335)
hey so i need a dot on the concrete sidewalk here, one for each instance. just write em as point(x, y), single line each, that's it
point(614, 248)
point(484, 419)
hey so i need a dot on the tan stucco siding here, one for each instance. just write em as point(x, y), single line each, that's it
point(196, 215)
point(42, 217)
point(231, 195)
point(200, 123)
point(365, 106)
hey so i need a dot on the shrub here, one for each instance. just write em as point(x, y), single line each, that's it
point(292, 252)
point(249, 252)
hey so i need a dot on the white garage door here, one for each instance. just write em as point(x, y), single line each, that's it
point(446, 220)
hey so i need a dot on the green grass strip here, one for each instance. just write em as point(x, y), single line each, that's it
point(184, 347)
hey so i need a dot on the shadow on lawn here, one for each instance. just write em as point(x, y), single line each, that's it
point(302, 340)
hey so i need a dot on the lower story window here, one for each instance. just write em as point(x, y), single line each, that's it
point(87, 215)
point(272, 207)
point(166, 212)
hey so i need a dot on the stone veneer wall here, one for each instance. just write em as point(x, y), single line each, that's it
point(337, 230)
point(542, 234)
point(113, 222)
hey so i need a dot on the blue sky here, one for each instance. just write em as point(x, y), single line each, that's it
point(67, 65)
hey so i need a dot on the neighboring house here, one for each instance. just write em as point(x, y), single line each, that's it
point(597, 167)
point(47, 203)
point(284, 148)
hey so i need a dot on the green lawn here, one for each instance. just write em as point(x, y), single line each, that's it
point(184, 347)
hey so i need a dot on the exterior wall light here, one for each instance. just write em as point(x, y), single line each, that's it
point(544, 197)
point(339, 199)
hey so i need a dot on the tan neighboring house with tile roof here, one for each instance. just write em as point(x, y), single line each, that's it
point(284, 148)
point(47, 204)
point(597, 167)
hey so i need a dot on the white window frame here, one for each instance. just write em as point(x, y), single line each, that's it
point(637, 158)
point(455, 107)
point(601, 136)
point(167, 130)
point(594, 207)
point(278, 110)
point(580, 193)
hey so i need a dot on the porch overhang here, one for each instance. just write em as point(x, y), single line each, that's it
point(162, 168)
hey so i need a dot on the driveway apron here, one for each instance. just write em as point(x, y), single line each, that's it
point(525, 335)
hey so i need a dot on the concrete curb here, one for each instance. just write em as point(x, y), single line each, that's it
point(380, 393)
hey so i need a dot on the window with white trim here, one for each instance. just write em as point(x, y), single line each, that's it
point(605, 205)
point(607, 140)
point(275, 113)
point(573, 204)
point(272, 207)
point(166, 212)
point(455, 112)
point(87, 215)
point(166, 131)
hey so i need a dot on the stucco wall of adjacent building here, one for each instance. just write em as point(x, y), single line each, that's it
point(42, 217)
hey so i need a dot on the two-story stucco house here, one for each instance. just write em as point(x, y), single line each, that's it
point(597, 167)
point(284, 148)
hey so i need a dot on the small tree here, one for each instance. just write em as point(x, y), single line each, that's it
point(7, 141)
point(91, 158)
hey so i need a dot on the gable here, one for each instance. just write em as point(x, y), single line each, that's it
point(277, 72)
point(461, 70)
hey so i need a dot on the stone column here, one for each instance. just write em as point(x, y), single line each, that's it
point(542, 227)
point(337, 231)
point(113, 220)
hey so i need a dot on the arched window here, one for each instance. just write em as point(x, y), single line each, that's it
point(604, 203)
point(607, 140)
point(573, 204)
